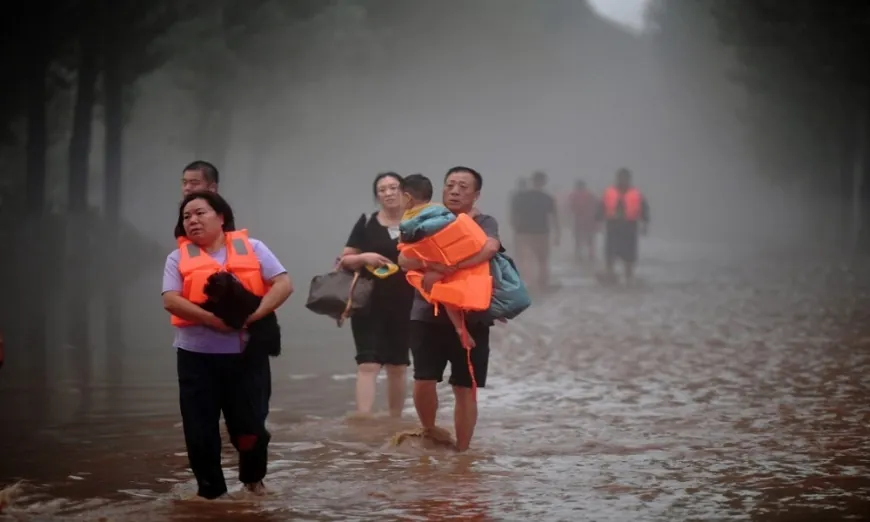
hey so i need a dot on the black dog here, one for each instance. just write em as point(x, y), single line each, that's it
point(233, 304)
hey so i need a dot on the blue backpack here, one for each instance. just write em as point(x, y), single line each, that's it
point(509, 294)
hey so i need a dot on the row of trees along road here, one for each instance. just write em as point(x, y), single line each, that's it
point(71, 69)
point(803, 66)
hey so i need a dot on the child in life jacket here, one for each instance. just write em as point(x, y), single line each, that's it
point(417, 190)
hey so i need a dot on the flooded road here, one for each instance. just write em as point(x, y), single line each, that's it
point(723, 388)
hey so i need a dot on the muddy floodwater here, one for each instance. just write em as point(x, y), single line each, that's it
point(727, 386)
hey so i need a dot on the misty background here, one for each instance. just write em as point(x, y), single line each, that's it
point(301, 104)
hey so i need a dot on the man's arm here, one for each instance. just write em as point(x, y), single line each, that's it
point(490, 248)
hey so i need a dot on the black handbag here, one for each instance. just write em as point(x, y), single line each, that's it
point(338, 294)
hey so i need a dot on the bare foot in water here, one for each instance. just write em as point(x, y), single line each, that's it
point(359, 417)
point(432, 438)
point(257, 488)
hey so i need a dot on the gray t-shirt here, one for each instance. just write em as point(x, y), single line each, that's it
point(423, 311)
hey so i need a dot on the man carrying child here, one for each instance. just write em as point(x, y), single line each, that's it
point(434, 339)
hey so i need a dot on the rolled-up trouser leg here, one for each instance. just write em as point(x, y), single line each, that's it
point(245, 408)
point(199, 386)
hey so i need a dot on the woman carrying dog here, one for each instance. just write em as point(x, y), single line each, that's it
point(214, 372)
point(380, 331)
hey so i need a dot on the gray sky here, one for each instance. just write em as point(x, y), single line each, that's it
point(629, 12)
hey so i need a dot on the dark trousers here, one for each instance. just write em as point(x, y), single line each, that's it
point(240, 386)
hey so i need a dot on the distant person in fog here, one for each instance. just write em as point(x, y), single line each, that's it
point(583, 208)
point(626, 215)
point(522, 186)
point(197, 176)
point(536, 228)
point(215, 372)
point(380, 331)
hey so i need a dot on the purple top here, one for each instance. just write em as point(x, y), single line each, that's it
point(202, 339)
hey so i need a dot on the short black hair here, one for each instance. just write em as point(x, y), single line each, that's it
point(382, 175)
point(418, 186)
point(215, 201)
point(478, 179)
point(209, 171)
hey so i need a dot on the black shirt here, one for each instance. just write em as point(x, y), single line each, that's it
point(392, 294)
point(532, 211)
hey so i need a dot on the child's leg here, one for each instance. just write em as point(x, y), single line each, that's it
point(457, 318)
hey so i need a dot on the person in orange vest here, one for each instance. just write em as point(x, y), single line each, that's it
point(625, 213)
point(434, 341)
point(215, 373)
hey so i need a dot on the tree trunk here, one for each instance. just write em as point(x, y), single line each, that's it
point(859, 164)
point(113, 93)
point(77, 268)
point(37, 132)
point(37, 242)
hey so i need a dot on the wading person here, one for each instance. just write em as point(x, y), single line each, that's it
point(215, 374)
point(626, 215)
point(537, 226)
point(434, 340)
point(514, 210)
point(380, 331)
point(583, 207)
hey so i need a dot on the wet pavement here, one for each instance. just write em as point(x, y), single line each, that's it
point(723, 387)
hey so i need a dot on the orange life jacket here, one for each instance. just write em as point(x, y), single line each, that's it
point(632, 200)
point(467, 289)
point(195, 266)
